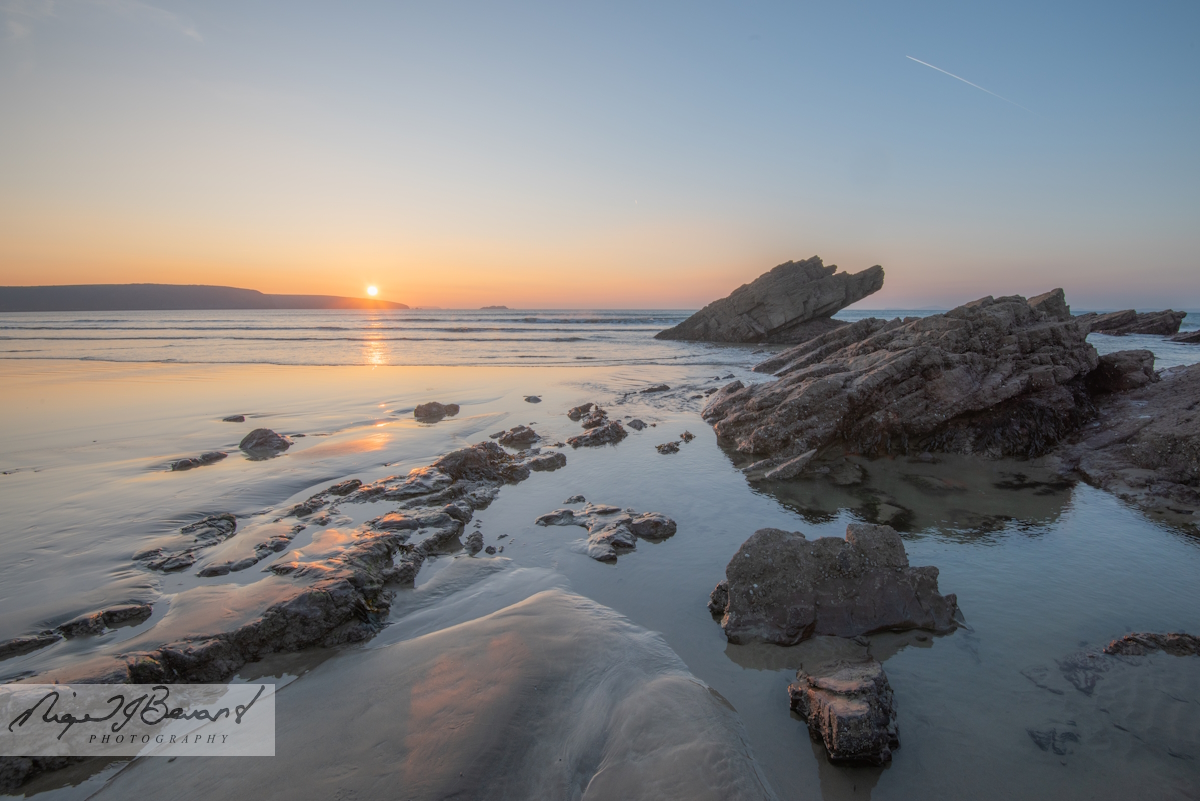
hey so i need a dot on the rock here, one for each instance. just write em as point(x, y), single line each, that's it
point(668, 447)
point(596, 418)
point(1145, 447)
point(997, 377)
point(345, 487)
point(264, 441)
point(792, 467)
point(1163, 323)
point(578, 412)
point(1123, 370)
point(608, 434)
point(198, 461)
point(485, 461)
point(434, 411)
point(532, 399)
point(783, 588)
point(636, 424)
point(656, 388)
point(792, 302)
point(473, 542)
point(490, 550)
point(547, 461)
point(1190, 337)
point(308, 507)
point(1142, 643)
point(611, 532)
point(576, 499)
point(98, 622)
point(687, 436)
point(234, 418)
point(18, 646)
point(518, 437)
point(849, 707)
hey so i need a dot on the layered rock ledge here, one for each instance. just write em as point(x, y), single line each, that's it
point(1121, 323)
point(781, 587)
point(998, 377)
point(791, 303)
point(850, 708)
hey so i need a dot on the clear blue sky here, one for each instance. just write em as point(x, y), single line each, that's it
point(619, 154)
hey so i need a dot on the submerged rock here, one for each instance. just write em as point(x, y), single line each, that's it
point(210, 531)
point(849, 707)
point(1145, 447)
point(791, 303)
point(1141, 643)
point(212, 457)
point(434, 411)
point(1120, 323)
point(997, 377)
point(656, 388)
point(782, 588)
point(608, 434)
point(636, 424)
point(264, 441)
point(611, 531)
point(518, 437)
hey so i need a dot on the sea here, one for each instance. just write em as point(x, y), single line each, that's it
point(96, 407)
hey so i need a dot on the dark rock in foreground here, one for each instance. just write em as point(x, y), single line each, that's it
point(1145, 447)
point(1120, 323)
point(997, 377)
point(783, 588)
point(264, 441)
point(849, 707)
point(212, 457)
point(791, 303)
point(435, 411)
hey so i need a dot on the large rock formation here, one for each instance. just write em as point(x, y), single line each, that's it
point(783, 588)
point(1120, 323)
point(998, 376)
point(1145, 446)
point(849, 707)
point(791, 303)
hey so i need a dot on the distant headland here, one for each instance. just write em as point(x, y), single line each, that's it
point(167, 297)
point(490, 308)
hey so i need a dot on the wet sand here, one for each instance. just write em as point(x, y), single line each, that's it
point(1042, 569)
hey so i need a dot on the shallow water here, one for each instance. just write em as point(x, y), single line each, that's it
point(1042, 568)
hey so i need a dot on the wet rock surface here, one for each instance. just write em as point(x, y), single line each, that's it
point(1122, 371)
point(264, 442)
point(781, 587)
point(212, 457)
point(518, 437)
point(1144, 447)
point(206, 533)
point(1188, 337)
point(668, 447)
point(790, 303)
point(610, 433)
point(434, 411)
point(503, 707)
point(636, 424)
point(577, 413)
point(1120, 323)
point(612, 531)
point(996, 377)
point(234, 418)
point(1141, 643)
point(99, 622)
point(849, 707)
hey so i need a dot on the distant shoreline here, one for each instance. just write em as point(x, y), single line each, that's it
point(168, 297)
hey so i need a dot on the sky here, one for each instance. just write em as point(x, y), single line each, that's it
point(604, 155)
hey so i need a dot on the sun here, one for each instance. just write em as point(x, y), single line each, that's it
point(372, 291)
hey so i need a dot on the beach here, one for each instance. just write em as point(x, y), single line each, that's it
point(1043, 568)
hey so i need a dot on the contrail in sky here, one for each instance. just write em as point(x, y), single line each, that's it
point(964, 80)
